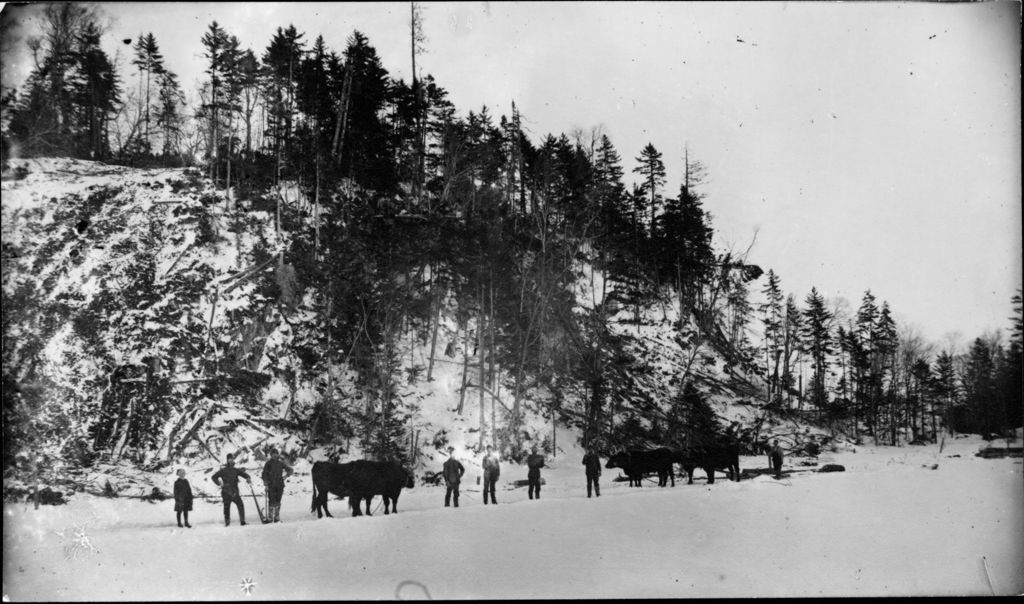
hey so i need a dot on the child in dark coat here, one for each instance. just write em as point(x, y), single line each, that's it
point(182, 498)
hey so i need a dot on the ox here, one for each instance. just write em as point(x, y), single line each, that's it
point(637, 463)
point(359, 480)
point(725, 457)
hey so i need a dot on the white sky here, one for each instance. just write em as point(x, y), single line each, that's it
point(870, 146)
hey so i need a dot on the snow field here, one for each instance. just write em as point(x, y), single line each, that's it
point(890, 525)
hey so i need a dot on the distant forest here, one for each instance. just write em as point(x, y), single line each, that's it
point(412, 205)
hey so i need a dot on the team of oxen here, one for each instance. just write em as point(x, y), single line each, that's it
point(635, 464)
point(362, 480)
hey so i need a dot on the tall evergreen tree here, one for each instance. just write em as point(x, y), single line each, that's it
point(885, 342)
point(652, 169)
point(1010, 372)
point(150, 62)
point(772, 321)
point(864, 360)
point(169, 115)
point(979, 412)
point(818, 340)
point(95, 93)
point(249, 82)
point(215, 42)
point(792, 342)
point(281, 61)
point(681, 241)
point(365, 153)
point(946, 388)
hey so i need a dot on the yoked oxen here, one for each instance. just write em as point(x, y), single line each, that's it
point(636, 463)
point(721, 456)
point(359, 480)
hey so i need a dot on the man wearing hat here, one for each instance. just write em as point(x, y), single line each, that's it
point(227, 479)
point(534, 462)
point(775, 458)
point(492, 469)
point(273, 480)
point(453, 472)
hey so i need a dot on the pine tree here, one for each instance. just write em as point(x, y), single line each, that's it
point(792, 342)
point(1017, 321)
point(440, 119)
point(151, 63)
point(95, 93)
point(249, 81)
point(281, 62)
point(169, 117)
point(978, 413)
point(1011, 371)
point(818, 340)
point(772, 320)
point(652, 169)
point(365, 153)
point(946, 389)
point(700, 424)
point(215, 42)
point(864, 360)
point(417, 41)
point(885, 342)
point(681, 241)
point(920, 395)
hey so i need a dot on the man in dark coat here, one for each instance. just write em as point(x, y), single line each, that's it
point(227, 479)
point(453, 471)
point(492, 469)
point(182, 498)
point(775, 458)
point(534, 462)
point(273, 480)
point(593, 466)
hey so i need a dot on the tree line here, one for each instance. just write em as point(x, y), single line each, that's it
point(871, 377)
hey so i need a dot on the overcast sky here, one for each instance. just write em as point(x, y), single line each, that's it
point(870, 146)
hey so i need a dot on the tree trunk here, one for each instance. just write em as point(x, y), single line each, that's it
point(465, 370)
point(480, 349)
point(436, 324)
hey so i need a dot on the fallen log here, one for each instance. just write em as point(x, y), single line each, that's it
point(1000, 452)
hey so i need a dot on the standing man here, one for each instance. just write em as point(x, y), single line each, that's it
point(775, 458)
point(453, 472)
point(593, 465)
point(491, 471)
point(535, 462)
point(273, 480)
point(227, 479)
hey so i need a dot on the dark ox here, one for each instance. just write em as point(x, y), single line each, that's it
point(637, 463)
point(725, 457)
point(358, 480)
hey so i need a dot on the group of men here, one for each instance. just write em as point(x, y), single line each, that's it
point(453, 470)
point(274, 473)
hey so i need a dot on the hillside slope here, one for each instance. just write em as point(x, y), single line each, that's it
point(147, 311)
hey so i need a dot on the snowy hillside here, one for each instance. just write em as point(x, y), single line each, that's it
point(899, 521)
point(129, 285)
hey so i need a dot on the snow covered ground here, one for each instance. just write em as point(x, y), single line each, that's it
point(899, 521)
